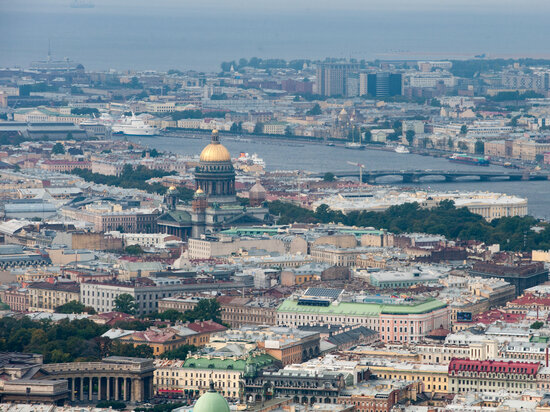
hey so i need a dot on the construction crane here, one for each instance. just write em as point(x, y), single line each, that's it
point(361, 167)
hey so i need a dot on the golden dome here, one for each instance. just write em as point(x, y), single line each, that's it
point(199, 191)
point(172, 188)
point(215, 152)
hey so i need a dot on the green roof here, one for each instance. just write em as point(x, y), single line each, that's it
point(226, 364)
point(256, 230)
point(344, 308)
point(421, 307)
point(215, 363)
point(363, 309)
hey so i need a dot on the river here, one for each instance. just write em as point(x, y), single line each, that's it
point(285, 155)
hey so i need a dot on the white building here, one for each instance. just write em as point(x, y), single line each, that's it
point(489, 205)
point(145, 240)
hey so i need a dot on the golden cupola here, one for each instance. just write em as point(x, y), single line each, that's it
point(215, 151)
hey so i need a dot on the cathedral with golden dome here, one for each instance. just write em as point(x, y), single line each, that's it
point(214, 206)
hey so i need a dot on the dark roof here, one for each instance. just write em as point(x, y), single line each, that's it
point(352, 336)
point(516, 367)
point(177, 216)
point(73, 287)
point(323, 292)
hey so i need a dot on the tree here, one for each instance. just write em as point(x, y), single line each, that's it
point(133, 250)
point(58, 148)
point(409, 135)
point(479, 147)
point(328, 177)
point(368, 135)
point(314, 111)
point(71, 307)
point(537, 325)
point(539, 158)
point(462, 146)
point(259, 128)
point(170, 315)
point(288, 131)
point(128, 349)
point(125, 303)
point(179, 353)
point(118, 405)
point(463, 129)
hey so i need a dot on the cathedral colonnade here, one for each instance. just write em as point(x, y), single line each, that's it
point(95, 388)
point(113, 378)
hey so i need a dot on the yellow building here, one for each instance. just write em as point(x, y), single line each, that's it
point(192, 377)
point(433, 377)
point(46, 296)
point(160, 340)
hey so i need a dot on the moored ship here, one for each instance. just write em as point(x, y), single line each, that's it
point(470, 160)
point(134, 126)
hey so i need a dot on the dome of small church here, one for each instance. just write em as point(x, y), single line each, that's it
point(215, 151)
point(257, 190)
point(211, 401)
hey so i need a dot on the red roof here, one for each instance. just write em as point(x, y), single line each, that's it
point(439, 332)
point(530, 300)
point(154, 336)
point(496, 314)
point(468, 365)
point(207, 326)
point(111, 318)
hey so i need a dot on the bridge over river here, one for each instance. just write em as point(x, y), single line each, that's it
point(414, 176)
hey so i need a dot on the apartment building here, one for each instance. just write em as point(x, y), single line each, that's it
point(47, 296)
point(467, 375)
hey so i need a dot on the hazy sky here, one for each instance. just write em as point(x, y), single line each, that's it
point(285, 6)
point(159, 34)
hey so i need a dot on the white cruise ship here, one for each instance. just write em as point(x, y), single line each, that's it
point(134, 126)
point(245, 158)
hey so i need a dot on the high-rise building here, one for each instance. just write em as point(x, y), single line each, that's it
point(385, 84)
point(352, 85)
point(363, 80)
point(332, 78)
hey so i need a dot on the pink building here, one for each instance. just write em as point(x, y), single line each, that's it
point(407, 327)
point(17, 299)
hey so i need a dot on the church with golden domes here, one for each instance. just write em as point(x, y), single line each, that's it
point(214, 206)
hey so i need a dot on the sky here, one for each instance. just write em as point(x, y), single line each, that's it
point(163, 34)
point(285, 6)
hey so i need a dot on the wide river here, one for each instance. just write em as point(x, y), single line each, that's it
point(285, 155)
